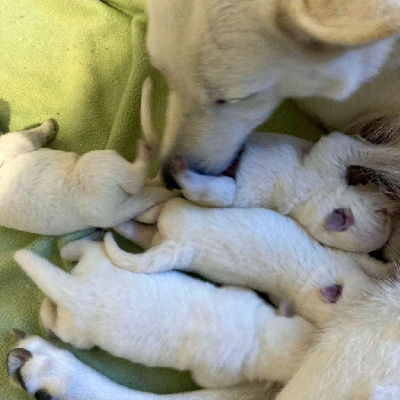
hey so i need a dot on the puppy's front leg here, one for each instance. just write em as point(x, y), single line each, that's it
point(42, 368)
point(166, 256)
point(205, 190)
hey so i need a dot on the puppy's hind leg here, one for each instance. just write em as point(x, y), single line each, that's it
point(166, 256)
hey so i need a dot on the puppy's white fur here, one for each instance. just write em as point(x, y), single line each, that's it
point(292, 176)
point(224, 336)
point(256, 248)
point(54, 192)
point(306, 182)
point(229, 64)
point(355, 358)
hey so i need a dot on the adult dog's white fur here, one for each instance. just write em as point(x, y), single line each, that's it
point(306, 182)
point(256, 248)
point(230, 63)
point(224, 336)
point(53, 192)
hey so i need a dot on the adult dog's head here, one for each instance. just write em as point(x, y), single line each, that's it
point(229, 63)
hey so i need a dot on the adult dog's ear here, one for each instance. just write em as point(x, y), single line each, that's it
point(338, 22)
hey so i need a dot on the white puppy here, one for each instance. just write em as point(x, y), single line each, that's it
point(255, 248)
point(355, 358)
point(53, 192)
point(224, 336)
point(295, 178)
point(306, 182)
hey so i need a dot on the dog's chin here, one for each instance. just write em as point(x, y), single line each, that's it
point(228, 169)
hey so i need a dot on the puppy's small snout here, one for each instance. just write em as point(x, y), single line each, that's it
point(167, 173)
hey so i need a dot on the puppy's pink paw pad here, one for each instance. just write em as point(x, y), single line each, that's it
point(331, 294)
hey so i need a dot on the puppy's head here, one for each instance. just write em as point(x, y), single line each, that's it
point(230, 63)
point(354, 218)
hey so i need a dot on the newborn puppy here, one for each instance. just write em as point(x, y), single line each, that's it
point(304, 181)
point(256, 248)
point(224, 336)
point(53, 192)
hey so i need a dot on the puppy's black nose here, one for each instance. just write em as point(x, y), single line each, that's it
point(168, 177)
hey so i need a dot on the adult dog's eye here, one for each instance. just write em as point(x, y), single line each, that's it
point(232, 101)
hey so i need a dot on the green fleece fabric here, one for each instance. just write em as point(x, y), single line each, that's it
point(82, 63)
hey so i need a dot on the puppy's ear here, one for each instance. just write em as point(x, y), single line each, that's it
point(338, 22)
point(339, 220)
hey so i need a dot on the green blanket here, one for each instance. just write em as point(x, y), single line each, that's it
point(82, 63)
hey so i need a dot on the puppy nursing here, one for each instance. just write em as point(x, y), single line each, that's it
point(224, 336)
point(54, 192)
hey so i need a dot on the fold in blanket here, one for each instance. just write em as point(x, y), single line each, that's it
point(81, 62)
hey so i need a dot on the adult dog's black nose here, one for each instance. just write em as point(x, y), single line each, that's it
point(168, 177)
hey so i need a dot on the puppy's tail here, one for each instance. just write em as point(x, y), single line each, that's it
point(55, 283)
point(166, 256)
point(151, 136)
point(119, 257)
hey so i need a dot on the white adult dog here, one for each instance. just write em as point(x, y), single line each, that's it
point(224, 336)
point(53, 192)
point(256, 248)
point(230, 63)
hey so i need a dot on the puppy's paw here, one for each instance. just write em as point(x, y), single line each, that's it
point(40, 368)
point(48, 128)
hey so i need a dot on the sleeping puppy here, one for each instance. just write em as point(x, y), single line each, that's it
point(354, 358)
point(256, 248)
point(295, 178)
point(307, 183)
point(224, 336)
point(52, 192)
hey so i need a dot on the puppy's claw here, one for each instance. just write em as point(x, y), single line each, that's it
point(19, 335)
point(16, 359)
